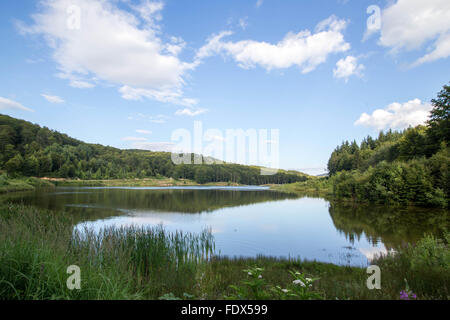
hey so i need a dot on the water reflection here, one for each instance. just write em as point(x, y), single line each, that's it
point(392, 226)
point(250, 221)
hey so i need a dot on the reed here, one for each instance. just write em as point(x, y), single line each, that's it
point(116, 263)
point(37, 246)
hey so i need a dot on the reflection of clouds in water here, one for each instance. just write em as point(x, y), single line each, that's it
point(373, 252)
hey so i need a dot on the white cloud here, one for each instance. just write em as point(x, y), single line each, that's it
point(303, 49)
point(114, 46)
point(163, 95)
point(134, 139)
point(154, 146)
point(410, 24)
point(189, 112)
point(441, 50)
point(10, 104)
point(150, 11)
point(259, 3)
point(160, 118)
point(397, 115)
point(81, 84)
point(52, 99)
point(143, 131)
point(348, 67)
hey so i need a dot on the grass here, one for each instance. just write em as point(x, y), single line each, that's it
point(315, 187)
point(22, 184)
point(37, 246)
point(146, 182)
point(9, 184)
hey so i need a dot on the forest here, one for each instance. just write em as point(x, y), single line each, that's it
point(406, 167)
point(29, 150)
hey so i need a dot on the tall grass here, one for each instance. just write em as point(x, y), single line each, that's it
point(425, 266)
point(36, 247)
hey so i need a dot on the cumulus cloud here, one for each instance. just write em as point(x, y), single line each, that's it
point(52, 99)
point(347, 67)
point(10, 104)
point(190, 112)
point(397, 115)
point(304, 49)
point(411, 24)
point(150, 11)
point(115, 46)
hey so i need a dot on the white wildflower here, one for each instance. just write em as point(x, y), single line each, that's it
point(260, 277)
point(285, 290)
point(298, 282)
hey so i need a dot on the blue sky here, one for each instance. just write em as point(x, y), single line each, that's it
point(128, 73)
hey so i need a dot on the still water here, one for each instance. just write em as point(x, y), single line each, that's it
point(249, 221)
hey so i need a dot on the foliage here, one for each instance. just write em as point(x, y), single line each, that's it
point(256, 287)
point(29, 150)
point(37, 246)
point(408, 167)
point(439, 122)
point(426, 266)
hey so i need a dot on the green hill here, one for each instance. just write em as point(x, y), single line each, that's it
point(29, 150)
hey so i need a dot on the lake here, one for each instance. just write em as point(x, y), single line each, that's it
point(249, 221)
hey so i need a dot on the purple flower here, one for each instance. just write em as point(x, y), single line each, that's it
point(404, 295)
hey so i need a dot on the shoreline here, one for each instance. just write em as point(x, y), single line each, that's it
point(211, 278)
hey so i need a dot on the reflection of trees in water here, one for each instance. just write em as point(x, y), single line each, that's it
point(101, 203)
point(391, 225)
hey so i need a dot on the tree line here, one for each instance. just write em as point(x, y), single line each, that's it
point(28, 150)
point(409, 166)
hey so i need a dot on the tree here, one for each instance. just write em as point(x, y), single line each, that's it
point(439, 123)
point(14, 165)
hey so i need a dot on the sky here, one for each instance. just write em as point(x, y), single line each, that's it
point(130, 73)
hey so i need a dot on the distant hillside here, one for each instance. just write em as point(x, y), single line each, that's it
point(27, 149)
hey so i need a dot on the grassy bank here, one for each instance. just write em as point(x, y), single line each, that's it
point(22, 184)
point(8, 184)
point(315, 187)
point(148, 182)
point(36, 247)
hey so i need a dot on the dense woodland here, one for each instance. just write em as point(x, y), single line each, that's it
point(27, 149)
point(411, 166)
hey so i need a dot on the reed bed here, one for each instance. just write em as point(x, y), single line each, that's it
point(36, 247)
